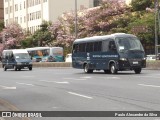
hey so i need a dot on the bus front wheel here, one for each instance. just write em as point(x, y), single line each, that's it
point(15, 68)
point(4, 68)
point(86, 69)
point(137, 70)
point(113, 69)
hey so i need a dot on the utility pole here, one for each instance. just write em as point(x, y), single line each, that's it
point(76, 19)
point(156, 4)
point(3, 40)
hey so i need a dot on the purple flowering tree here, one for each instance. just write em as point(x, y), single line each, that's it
point(94, 21)
point(11, 36)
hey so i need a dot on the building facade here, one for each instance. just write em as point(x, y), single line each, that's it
point(30, 13)
point(1, 10)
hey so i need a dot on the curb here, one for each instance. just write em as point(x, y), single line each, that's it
point(150, 65)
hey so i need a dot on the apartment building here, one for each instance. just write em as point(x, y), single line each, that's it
point(1, 10)
point(30, 13)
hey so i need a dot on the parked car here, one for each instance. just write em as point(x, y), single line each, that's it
point(151, 57)
point(68, 58)
point(48, 59)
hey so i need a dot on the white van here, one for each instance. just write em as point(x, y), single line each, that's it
point(16, 59)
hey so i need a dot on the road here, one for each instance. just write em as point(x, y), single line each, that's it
point(67, 89)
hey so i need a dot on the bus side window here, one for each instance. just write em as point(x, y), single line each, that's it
point(112, 46)
point(89, 47)
point(82, 47)
point(75, 48)
point(105, 45)
point(97, 46)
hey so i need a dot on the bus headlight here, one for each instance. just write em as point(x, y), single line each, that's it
point(144, 58)
point(123, 59)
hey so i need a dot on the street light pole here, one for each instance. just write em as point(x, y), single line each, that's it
point(3, 40)
point(76, 19)
point(156, 4)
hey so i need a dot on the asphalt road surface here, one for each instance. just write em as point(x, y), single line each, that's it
point(67, 89)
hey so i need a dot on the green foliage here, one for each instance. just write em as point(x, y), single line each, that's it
point(41, 37)
point(27, 42)
point(140, 5)
point(1, 25)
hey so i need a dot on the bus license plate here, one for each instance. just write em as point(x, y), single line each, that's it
point(135, 62)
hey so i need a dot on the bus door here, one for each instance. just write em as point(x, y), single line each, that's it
point(79, 55)
point(94, 53)
point(109, 53)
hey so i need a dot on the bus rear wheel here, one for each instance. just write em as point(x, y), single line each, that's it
point(137, 70)
point(113, 69)
point(86, 69)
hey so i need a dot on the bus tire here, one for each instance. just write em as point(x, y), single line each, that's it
point(137, 70)
point(113, 69)
point(4, 68)
point(15, 68)
point(86, 69)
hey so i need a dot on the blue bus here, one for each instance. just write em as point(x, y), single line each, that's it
point(111, 53)
point(46, 54)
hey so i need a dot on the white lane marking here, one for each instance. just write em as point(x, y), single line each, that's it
point(24, 84)
point(87, 77)
point(6, 87)
point(63, 82)
point(149, 85)
point(73, 79)
point(80, 95)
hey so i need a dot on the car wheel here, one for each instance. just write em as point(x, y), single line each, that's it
point(30, 68)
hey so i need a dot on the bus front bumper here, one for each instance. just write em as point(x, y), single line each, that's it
point(131, 64)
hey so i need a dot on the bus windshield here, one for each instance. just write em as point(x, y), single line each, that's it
point(21, 56)
point(128, 43)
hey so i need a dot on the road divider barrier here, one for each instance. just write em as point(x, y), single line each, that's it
point(149, 65)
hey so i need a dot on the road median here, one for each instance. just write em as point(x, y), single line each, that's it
point(155, 65)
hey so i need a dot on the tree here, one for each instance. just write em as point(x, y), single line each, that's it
point(140, 5)
point(42, 37)
point(11, 36)
point(1, 25)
